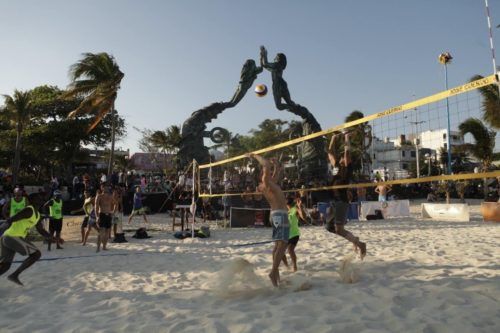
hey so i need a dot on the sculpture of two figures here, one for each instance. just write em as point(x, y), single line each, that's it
point(312, 157)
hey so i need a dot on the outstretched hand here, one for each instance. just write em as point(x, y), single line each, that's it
point(263, 51)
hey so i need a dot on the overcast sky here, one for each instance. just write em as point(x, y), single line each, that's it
point(179, 56)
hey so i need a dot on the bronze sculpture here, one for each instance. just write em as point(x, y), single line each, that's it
point(312, 157)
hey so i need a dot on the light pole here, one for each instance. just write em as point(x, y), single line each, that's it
point(445, 58)
point(417, 142)
point(416, 139)
point(492, 47)
point(429, 160)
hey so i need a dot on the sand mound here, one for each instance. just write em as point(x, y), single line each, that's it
point(349, 270)
point(238, 278)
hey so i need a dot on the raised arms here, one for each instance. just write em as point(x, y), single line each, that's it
point(266, 166)
point(331, 147)
point(263, 59)
point(347, 150)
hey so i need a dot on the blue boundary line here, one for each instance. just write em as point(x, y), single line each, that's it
point(249, 244)
point(92, 256)
point(136, 253)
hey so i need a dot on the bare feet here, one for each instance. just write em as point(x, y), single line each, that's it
point(362, 248)
point(15, 279)
point(294, 268)
point(355, 244)
point(274, 279)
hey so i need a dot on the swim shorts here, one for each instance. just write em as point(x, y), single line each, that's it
point(55, 225)
point(279, 222)
point(294, 240)
point(9, 246)
point(339, 215)
point(105, 220)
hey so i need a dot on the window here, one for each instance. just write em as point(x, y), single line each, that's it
point(403, 153)
point(374, 157)
point(405, 166)
point(413, 154)
point(444, 136)
point(445, 146)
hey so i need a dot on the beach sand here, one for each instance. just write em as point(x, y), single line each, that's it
point(418, 276)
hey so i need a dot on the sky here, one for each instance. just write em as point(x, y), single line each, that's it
point(180, 56)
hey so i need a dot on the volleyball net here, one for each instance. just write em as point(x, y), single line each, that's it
point(405, 144)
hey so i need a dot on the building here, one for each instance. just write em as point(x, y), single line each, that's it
point(98, 159)
point(152, 162)
point(437, 139)
point(392, 156)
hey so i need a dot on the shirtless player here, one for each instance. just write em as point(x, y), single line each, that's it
point(104, 208)
point(279, 215)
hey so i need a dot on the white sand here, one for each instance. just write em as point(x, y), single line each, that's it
point(418, 276)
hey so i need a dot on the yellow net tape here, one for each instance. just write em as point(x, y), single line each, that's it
point(394, 110)
point(464, 176)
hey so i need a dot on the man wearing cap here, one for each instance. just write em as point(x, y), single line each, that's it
point(15, 204)
point(56, 218)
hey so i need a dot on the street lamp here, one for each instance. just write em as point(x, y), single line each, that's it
point(428, 161)
point(445, 58)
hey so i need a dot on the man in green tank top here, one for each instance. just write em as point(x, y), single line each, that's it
point(55, 206)
point(14, 240)
point(15, 204)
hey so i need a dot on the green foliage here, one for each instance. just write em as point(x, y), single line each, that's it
point(269, 132)
point(96, 78)
point(484, 138)
point(490, 103)
point(360, 140)
point(51, 141)
point(166, 141)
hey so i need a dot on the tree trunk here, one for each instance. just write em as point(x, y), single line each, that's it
point(17, 156)
point(112, 153)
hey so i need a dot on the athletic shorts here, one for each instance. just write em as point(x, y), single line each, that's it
point(279, 222)
point(339, 215)
point(9, 246)
point(382, 198)
point(294, 240)
point(85, 222)
point(139, 211)
point(92, 222)
point(55, 225)
point(105, 220)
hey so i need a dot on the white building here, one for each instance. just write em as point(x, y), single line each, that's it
point(437, 139)
point(393, 156)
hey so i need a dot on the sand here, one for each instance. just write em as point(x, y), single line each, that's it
point(418, 276)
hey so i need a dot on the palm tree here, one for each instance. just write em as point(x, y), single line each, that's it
point(96, 78)
point(18, 111)
point(491, 103)
point(485, 142)
point(360, 140)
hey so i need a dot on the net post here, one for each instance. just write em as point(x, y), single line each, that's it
point(193, 201)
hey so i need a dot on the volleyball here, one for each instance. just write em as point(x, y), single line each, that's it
point(261, 90)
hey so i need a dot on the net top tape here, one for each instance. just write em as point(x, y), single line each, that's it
point(394, 110)
point(464, 176)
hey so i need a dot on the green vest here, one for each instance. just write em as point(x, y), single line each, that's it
point(293, 221)
point(21, 227)
point(88, 206)
point(16, 207)
point(56, 209)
